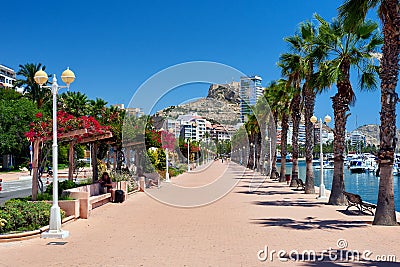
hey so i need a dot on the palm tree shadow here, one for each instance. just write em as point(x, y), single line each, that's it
point(309, 223)
point(263, 193)
point(297, 203)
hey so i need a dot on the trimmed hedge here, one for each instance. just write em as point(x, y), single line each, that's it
point(18, 215)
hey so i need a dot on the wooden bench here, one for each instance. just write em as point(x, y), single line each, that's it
point(300, 183)
point(151, 179)
point(355, 200)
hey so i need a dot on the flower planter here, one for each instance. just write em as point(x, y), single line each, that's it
point(70, 207)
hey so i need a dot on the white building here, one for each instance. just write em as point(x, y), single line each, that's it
point(7, 76)
point(191, 126)
point(136, 112)
point(356, 138)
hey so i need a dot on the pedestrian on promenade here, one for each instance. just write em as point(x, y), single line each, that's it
point(106, 182)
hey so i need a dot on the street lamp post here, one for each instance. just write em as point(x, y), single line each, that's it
point(327, 119)
point(55, 218)
point(188, 154)
point(167, 167)
point(166, 158)
point(270, 156)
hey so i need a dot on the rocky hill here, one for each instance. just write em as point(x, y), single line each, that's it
point(225, 92)
point(371, 131)
point(211, 109)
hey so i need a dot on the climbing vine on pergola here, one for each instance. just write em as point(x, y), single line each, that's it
point(71, 129)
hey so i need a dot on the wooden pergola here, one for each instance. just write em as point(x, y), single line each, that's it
point(81, 136)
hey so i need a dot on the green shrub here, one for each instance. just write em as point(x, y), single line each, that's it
point(44, 196)
point(67, 184)
point(18, 215)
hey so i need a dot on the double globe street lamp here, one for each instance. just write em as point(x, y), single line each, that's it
point(327, 119)
point(55, 218)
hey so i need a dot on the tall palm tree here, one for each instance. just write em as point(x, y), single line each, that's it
point(36, 93)
point(293, 68)
point(304, 44)
point(74, 103)
point(272, 94)
point(262, 112)
point(279, 96)
point(354, 12)
point(347, 49)
point(253, 131)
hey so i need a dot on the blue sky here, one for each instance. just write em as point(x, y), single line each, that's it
point(113, 47)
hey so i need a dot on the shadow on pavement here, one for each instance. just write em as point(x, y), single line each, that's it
point(264, 193)
point(326, 262)
point(297, 203)
point(309, 223)
point(354, 212)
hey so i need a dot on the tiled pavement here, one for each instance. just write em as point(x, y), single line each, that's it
point(227, 232)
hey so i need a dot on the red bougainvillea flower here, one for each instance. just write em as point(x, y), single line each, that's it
point(43, 128)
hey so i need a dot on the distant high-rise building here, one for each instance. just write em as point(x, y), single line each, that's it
point(250, 91)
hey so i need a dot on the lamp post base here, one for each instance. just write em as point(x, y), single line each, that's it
point(167, 177)
point(55, 225)
point(322, 194)
point(59, 234)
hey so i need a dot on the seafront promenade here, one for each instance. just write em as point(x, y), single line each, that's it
point(233, 231)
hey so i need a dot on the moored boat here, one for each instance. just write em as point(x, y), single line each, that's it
point(327, 165)
point(357, 166)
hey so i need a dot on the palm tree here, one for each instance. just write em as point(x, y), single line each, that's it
point(97, 108)
point(279, 95)
point(353, 12)
point(262, 112)
point(304, 44)
point(75, 103)
point(346, 49)
point(253, 132)
point(36, 93)
point(293, 68)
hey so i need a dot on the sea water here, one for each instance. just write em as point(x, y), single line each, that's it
point(364, 184)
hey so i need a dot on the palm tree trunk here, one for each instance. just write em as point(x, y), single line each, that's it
point(340, 107)
point(273, 164)
point(309, 102)
point(385, 211)
point(250, 162)
point(296, 116)
point(285, 127)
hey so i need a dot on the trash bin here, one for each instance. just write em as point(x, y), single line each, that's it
point(287, 178)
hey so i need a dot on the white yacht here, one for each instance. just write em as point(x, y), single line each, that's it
point(357, 166)
point(327, 165)
point(370, 164)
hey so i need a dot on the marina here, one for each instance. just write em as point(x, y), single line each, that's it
point(365, 184)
